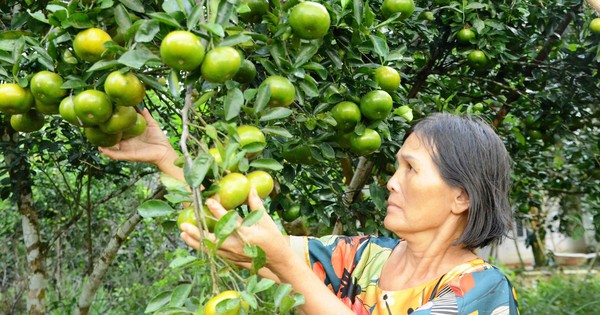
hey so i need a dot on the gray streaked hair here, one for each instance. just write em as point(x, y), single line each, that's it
point(470, 155)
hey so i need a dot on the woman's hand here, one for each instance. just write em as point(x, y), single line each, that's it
point(151, 147)
point(264, 233)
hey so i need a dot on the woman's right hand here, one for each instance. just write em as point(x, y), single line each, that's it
point(151, 147)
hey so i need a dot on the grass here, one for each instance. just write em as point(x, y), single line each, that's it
point(558, 293)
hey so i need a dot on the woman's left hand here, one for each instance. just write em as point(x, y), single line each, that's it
point(263, 233)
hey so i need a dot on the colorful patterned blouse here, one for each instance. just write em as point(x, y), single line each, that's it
point(351, 268)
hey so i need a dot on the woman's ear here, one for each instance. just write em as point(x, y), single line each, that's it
point(461, 202)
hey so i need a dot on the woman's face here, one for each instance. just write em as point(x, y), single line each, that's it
point(420, 201)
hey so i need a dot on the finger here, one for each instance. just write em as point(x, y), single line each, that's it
point(254, 200)
point(215, 207)
point(113, 152)
point(190, 240)
point(149, 119)
point(191, 230)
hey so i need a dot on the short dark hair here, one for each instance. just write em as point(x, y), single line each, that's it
point(470, 155)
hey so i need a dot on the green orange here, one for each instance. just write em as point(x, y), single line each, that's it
point(221, 64)
point(233, 190)
point(89, 44)
point(376, 105)
point(46, 87)
point(97, 137)
point(27, 122)
point(182, 50)
point(387, 78)
point(246, 73)
point(365, 144)
point(346, 114)
point(138, 128)
point(477, 59)
point(188, 215)
point(123, 117)
point(309, 20)
point(262, 182)
point(404, 7)
point(258, 8)
point(124, 89)
point(14, 99)
point(92, 107)
point(465, 35)
point(282, 90)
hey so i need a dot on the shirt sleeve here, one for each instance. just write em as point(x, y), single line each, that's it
point(486, 292)
point(332, 258)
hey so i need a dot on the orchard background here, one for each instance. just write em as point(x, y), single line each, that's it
point(84, 234)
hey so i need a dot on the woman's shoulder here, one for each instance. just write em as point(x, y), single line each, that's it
point(483, 285)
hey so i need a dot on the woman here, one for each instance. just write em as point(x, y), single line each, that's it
point(448, 197)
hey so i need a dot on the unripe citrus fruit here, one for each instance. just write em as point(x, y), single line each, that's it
point(211, 307)
point(376, 105)
point(14, 99)
point(137, 129)
point(45, 87)
point(27, 122)
point(96, 137)
point(595, 26)
point(258, 8)
point(405, 7)
point(217, 156)
point(465, 35)
point(262, 182)
point(89, 44)
point(346, 114)
point(365, 144)
point(221, 64)
point(246, 73)
point(387, 78)
point(92, 107)
point(309, 20)
point(188, 215)
point(123, 117)
point(124, 89)
point(66, 109)
point(233, 190)
point(182, 50)
point(283, 91)
point(477, 59)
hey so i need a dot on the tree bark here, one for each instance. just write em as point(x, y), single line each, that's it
point(101, 266)
point(20, 176)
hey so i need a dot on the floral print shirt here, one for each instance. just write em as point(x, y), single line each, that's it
point(351, 268)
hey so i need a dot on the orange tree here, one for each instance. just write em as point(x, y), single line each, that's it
point(531, 70)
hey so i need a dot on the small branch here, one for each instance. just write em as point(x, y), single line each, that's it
point(363, 170)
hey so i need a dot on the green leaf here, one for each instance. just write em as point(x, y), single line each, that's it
point(165, 19)
point(147, 31)
point(195, 174)
point(278, 131)
point(358, 11)
point(233, 103)
point(286, 304)
point(262, 285)
point(103, 65)
point(226, 225)
point(234, 40)
point(158, 301)
point(214, 28)
point(309, 87)
point(169, 181)
point(38, 15)
point(134, 5)
point(180, 294)
point(182, 261)
point(267, 163)
point(121, 17)
point(259, 258)
point(276, 113)
point(282, 291)
point(154, 208)
point(195, 16)
point(173, 85)
point(328, 151)
point(137, 58)
point(262, 98)
point(252, 217)
point(305, 54)
point(380, 46)
point(478, 25)
point(74, 84)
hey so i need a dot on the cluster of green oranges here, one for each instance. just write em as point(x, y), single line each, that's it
point(107, 116)
point(374, 106)
point(476, 58)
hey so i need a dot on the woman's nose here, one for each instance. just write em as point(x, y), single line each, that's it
point(392, 183)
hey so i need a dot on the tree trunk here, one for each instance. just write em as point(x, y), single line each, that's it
point(19, 173)
point(92, 283)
